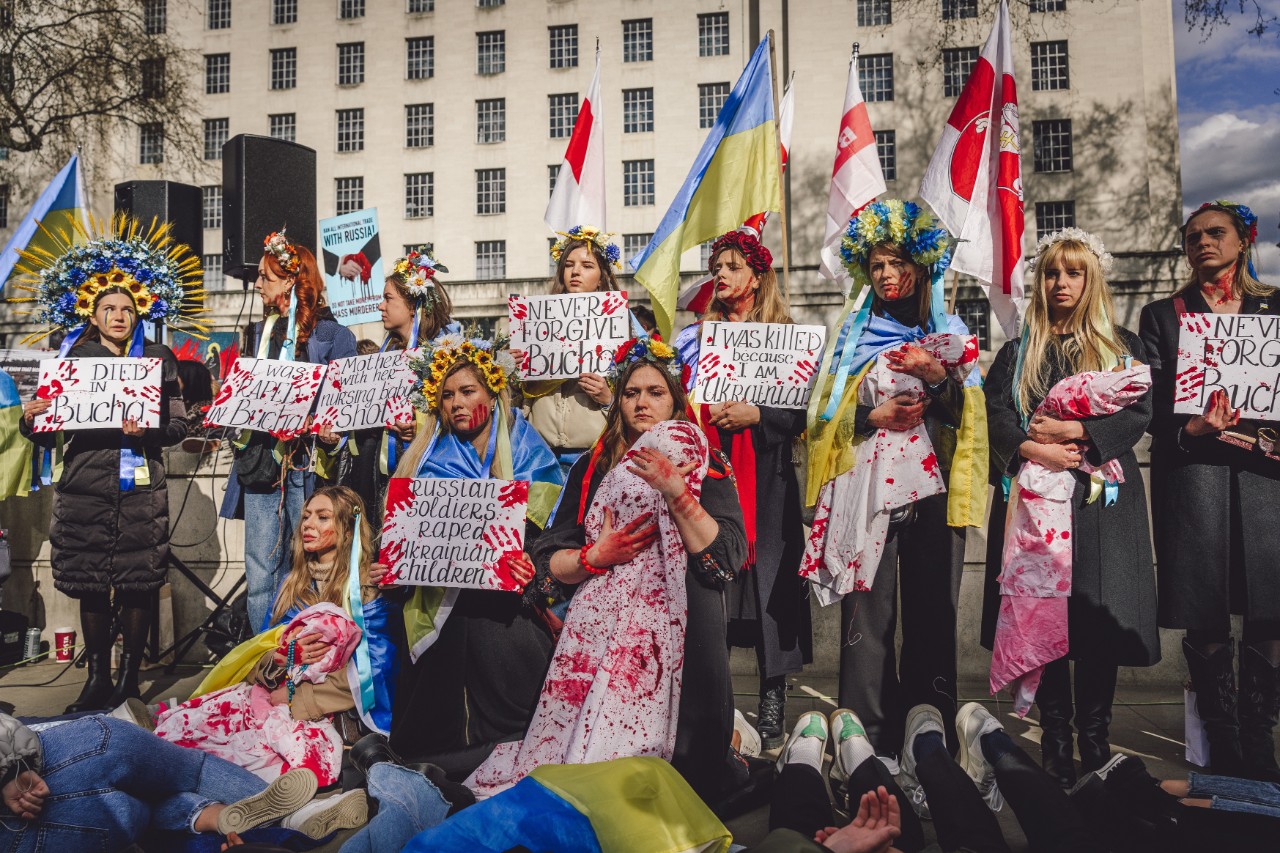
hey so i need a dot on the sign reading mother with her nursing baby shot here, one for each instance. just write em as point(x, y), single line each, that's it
point(1238, 354)
point(563, 337)
point(98, 393)
point(764, 364)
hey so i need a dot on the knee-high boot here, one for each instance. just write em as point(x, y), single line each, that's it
point(1214, 679)
point(135, 621)
point(1259, 708)
point(95, 623)
point(1095, 683)
point(1053, 699)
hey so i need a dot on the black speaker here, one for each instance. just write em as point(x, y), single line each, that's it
point(178, 204)
point(267, 184)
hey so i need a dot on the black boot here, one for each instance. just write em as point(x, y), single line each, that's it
point(1213, 678)
point(126, 680)
point(135, 621)
point(1053, 699)
point(1095, 683)
point(1259, 707)
point(773, 707)
point(374, 749)
point(97, 687)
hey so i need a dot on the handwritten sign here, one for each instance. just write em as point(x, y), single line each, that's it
point(353, 269)
point(566, 336)
point(1237, 353)
point(366, 391)
point(463, 533)
point(765, 364)
point(98, 393)
point(266, 395)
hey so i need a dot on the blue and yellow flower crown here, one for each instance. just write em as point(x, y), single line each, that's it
point(652, 350)
point(898, 223)
point(418, 269)
point(494, 361)
point(588, 234)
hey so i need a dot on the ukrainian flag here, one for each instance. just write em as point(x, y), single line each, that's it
point(61, 203)
point(734, 177)
point(15, 451)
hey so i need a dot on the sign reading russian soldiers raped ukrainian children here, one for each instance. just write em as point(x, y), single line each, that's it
point(764, 364)
point(266, 395)
point(366, 391)
point(98, 393)
point(1235, 353)
point(564, 337)
point(461, 533)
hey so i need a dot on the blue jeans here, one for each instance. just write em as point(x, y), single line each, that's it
point(1230, 794)
point(109, 780)
point(269, 521)
point(407, 804)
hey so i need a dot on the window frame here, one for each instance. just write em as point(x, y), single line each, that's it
point(491, 191)
point(351, 54)
point(564, 54)
point(637, 110)
point(875, 94)
point(638, 182)
point(426, 46)
point(491, 121)
point(713, 34)
point(211, 129)
point(424, 118)
point(354, 188)
point(637, 45)
point(349, 124)
point(427, 186)
point(283, 69)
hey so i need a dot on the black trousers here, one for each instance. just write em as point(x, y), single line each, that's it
point(704, 727)
point(800, 801)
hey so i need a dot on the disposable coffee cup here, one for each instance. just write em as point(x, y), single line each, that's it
point(64, 644)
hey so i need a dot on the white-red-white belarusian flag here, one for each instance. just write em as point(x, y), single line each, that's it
point(974, 181)
point(856, 177)
point(578, 198)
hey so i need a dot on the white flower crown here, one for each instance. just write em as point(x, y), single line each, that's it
point(1077, 235)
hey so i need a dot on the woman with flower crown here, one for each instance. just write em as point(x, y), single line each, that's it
point(1069, 336)
point(110, 526)
point(768, 607)
point(477, 656)
point(1214, 505)
point(271, 478)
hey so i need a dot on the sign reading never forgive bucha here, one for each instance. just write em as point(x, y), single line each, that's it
point(366, 391)
point(566, 336)
point(98, 393)
point(1235, 353)
point(353, 271)
point(454, 532)
point(764, 364)
point(266, 395)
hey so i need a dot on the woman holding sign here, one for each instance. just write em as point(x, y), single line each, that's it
point(110, 527)
point(1217, 542)
point(768, 608)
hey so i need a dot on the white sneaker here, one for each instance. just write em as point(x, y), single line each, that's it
point(285, 795)
point(133, 711)
point(920, 719)
point(851, 747)
point(972, 722)
point(318, 818)
point(808, 742)
point(749, 738)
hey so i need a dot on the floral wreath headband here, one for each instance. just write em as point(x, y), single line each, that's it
point(897, 223)
point(493, 360)
point(277, 245)
point(650, 350)
point(748, 245)
point(162, 277)
point(1075, 235)
point(1231, 208)
point(418, 269)
point(598, 239)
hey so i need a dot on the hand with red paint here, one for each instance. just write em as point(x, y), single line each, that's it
point(381, 576)
point(658, 471)
point(898, 413)
point(735, 415)
point(914, 361)
point(1217, 417)
point(520, 565)
point(616, 547)
point(31, 408)
point(326, 435)
point(596, 387)
point(1046, 430)
point(309, 649)
point(1055, 457)
point(404, 430)
point(132, 428)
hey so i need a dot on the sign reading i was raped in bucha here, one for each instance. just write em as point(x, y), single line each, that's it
point(98, 393)
point(764, 364)
point(566, 336)
point(460, 533)
point(366, 392)
point(267, 395)
point(1235, 353)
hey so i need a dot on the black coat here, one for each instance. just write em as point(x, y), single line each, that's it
point(1214, 504)
point(101, 537)
point(1112, 609)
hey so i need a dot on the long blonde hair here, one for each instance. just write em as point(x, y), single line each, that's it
point(1243, 282)
point(608, 281)
point(1093, 343)
point(298, 589)
point(412, 458)
point(770, 305)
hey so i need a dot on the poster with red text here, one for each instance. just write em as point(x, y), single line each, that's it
point(764, 364)
point(267, 395)
point(566, 336)
point(1235, 353)
point(98, 393)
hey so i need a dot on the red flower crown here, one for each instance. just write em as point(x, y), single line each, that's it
point(757, 256)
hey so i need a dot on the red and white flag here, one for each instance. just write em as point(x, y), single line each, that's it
point(974, 181)
point(856, 177)
point(578, 198)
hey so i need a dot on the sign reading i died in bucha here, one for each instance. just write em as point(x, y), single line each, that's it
point(1235, 353)
point(98, 393)
point(566, 336)
point(764, 364)
point(267, 395)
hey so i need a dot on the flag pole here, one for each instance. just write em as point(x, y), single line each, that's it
point(782, 199)
point(955, 289)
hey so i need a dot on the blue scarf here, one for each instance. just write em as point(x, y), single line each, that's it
point(448, 457)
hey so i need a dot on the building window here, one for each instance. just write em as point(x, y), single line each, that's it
point(957, 64)
point(875, 13)
point(704, 254)
point(215, 136)
point(553, 172)
point(633, 244)
point(351, 64)
point(637, 110)
point(887, 151)
point(491, 52)
point(151, 143)
point(637, 40)
point(211, 206)
point(217, 73)
point(350, 130)
point(564, 112)
point(491, 120)
point(954, 10)
point(349, 9)
point(1048, 5)
point(713, 34)
point(152, 78)
point(284, 12)
point(491, 191)
point(218, 14)
point(419, 125)
point(284, 68)
point(875, 76)
point(711, 98)
point(419, 195)
point(420, 57)
point(491, 256)
point(490, 4)
point(349, 195)
point(637, 183)
point(213, 278)
point(976, 314)
point(564, 46)
point(1049, 70)
point(155, 17)
point(421, 7)
point(1053, 216)
point(1052, 145)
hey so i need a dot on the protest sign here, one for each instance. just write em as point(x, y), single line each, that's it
point(23, 366)
point(353, 271)
point(266, 395)
point(1237, 353)
point(566, 336)
point(461, 533)
point(764, 364)
point(98, 393)
point(366, 391)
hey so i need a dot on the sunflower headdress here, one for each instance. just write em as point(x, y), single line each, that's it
point(898, 223)
point(588, 234)
point(652, 350)
point(494, 363)
point(162, 277)
point(418, 270)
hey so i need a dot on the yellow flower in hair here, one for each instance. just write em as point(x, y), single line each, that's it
point(660, 349)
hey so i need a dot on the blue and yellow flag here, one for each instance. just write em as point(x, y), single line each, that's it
point(734, 177)
point(62, 203)
point(15, 450)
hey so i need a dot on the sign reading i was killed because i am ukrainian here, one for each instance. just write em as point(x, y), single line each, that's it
point(267, 395)
point(454, 532)
point(1235, 353)
point(764, 364)
point(366, 391)
point(566, 336)
point(98, 393)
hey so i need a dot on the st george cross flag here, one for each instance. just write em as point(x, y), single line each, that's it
point(974, 181)
point(856, 177)
point(578, 198)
